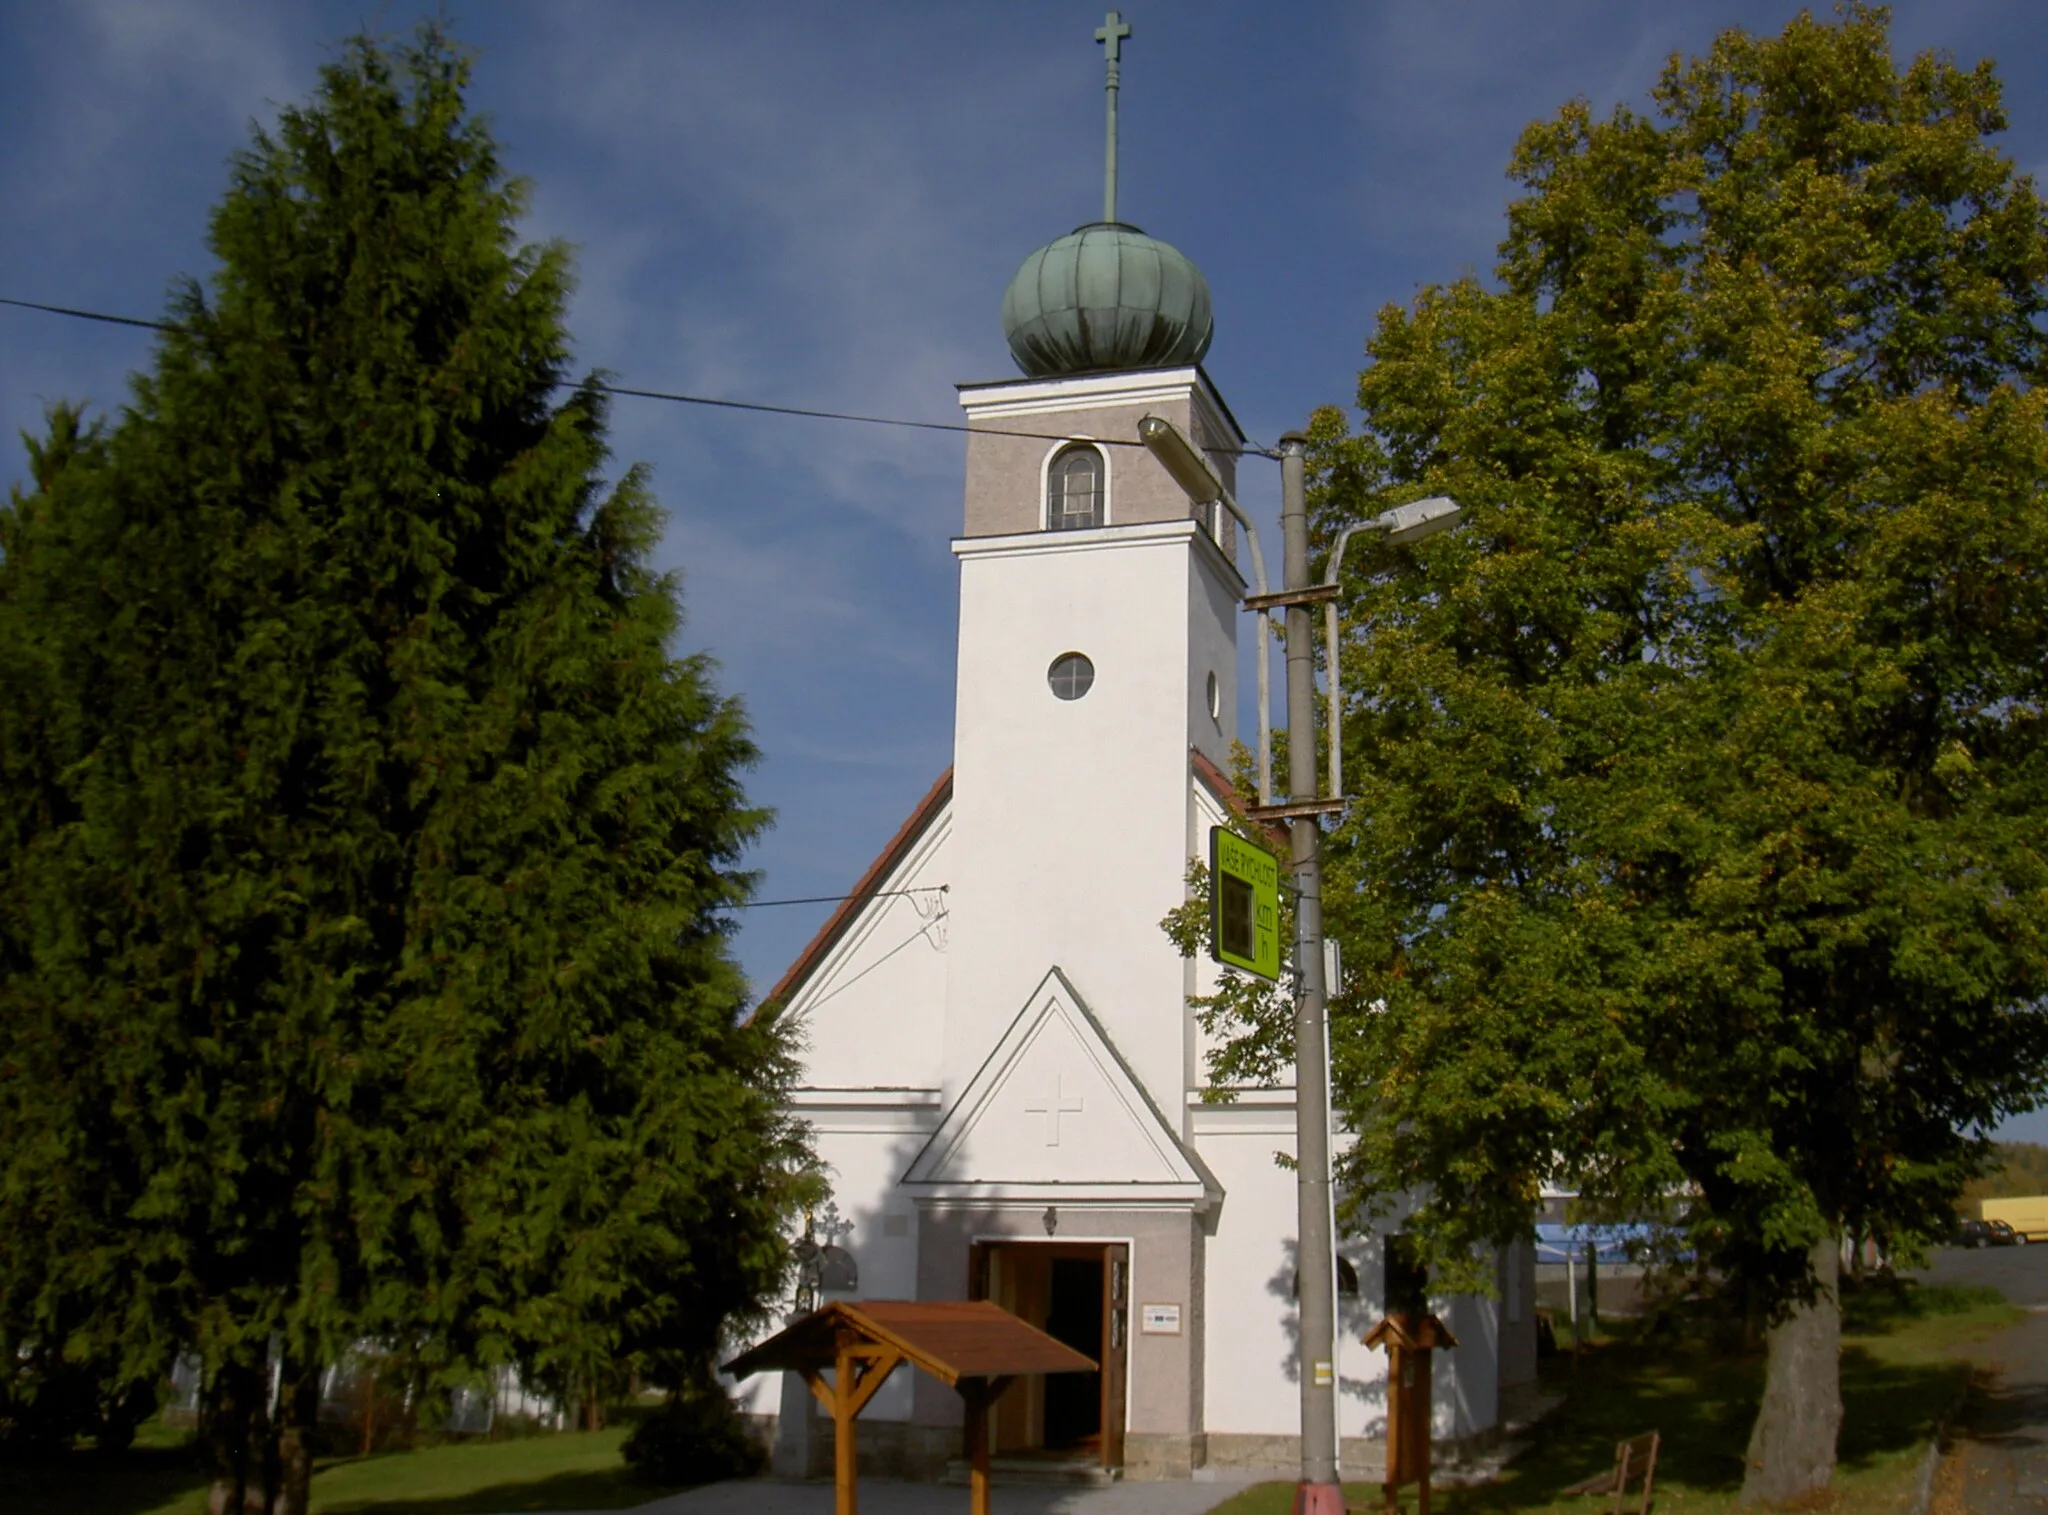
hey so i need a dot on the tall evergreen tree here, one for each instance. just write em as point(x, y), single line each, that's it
point(1698, 855)
point(365, 844)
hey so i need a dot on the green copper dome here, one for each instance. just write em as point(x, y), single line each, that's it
point(1106, 296)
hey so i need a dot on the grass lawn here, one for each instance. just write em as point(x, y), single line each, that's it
point(575, 1470)
point(1898, 1378)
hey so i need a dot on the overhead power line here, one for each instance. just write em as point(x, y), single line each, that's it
point(90, 315)
point(672, 397)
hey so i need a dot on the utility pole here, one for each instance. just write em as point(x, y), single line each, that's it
point(1318, 1492)
point(1315, 1257)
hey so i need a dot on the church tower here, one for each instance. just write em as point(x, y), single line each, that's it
point(1001, 1073)
point(1098, 646)
point(1097, 682)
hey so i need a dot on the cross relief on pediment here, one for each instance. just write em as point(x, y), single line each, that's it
point(1052, 1105)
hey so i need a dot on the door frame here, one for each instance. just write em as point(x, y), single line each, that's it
point(1117, 1294)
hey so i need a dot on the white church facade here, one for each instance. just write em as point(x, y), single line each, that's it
point(1005, 1084)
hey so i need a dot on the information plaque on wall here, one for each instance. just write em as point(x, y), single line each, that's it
point(1159, 1320)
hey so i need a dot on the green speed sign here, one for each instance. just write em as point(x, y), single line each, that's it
point(1244, 904)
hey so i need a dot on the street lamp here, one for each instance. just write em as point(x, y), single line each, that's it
point(1402, 525)
point(1318, 1492)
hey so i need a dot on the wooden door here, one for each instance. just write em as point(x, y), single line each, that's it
point(1013, 1277)
point(977, 1269)
point(1116, 1348)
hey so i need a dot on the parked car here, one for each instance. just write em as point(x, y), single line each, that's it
point(2027, 1214)
point(2003, 1235)
point(1970, 1233)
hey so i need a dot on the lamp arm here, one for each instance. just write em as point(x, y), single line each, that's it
point(1336, 720)
point(1251, 533)
point(1343, 540)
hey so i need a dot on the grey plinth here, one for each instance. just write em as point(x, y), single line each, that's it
point(799, 1450)
point(1106, 297)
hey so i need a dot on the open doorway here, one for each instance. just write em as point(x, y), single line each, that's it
point(1077, 1293)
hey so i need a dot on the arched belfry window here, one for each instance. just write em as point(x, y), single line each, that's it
point(1073, 489)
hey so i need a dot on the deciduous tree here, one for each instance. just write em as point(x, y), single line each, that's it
point(1697, 859)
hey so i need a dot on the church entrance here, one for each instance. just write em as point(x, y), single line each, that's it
point(1077, 1293)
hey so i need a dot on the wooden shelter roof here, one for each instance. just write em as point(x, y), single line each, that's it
point(949, 1339)
point(1413, 1334)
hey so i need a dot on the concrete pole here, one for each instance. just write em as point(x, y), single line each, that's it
point(1319, 1492)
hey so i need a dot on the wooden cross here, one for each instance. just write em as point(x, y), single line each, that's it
point(1052, 1108)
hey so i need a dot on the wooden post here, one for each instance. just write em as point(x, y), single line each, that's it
point(845, 1463)
point(979, 1395)
point(977, 1449)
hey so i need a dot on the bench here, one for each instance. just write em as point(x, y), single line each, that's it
point(1635, 1462)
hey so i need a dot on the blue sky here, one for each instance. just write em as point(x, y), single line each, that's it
point(820, 204)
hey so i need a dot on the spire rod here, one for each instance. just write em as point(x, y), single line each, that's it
point(1111, 33)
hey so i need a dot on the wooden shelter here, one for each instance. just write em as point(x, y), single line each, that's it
point(972, 1346)
point(1409, 1340)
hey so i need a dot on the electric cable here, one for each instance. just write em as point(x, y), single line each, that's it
point(675, 397)
point(922, 932)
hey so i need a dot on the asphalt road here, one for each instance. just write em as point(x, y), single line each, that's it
point(2019, 1273)
point(2003, 1444)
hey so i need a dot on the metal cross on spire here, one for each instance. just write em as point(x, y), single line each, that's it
point(1111, 34)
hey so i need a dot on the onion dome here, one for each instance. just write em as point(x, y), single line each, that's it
point(1106, 296)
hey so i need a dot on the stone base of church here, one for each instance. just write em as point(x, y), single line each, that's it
point(1361, 1457)
point(888, 1449)
point(1150, 1456)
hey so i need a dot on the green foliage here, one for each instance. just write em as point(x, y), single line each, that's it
point(2018, 1170)
point(48, 1403)
point(697, 1437)
point(362, 965)
point(1697, 859)
point(1905, 1370)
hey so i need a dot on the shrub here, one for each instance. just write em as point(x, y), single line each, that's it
point(697, 1437)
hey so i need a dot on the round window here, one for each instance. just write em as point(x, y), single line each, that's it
point(1071, 675)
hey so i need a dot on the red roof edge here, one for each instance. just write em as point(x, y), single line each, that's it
point(842, 917)
point(1219, 784)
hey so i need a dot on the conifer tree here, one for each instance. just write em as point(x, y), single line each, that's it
point(1697, 860)
point(362, 973)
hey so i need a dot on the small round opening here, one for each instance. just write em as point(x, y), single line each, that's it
point(1071, 675)
point(1215, 699)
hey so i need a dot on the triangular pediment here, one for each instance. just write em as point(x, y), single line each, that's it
point(1055, 1110)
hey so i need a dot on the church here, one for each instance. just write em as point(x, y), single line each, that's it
point(1005, 1085)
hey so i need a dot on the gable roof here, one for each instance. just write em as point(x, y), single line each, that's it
point(907, 836)
point(1224, 792)
point(848, 910)
point(1057, 1055)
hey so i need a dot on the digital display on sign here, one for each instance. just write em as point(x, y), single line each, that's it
point(1244, 904)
